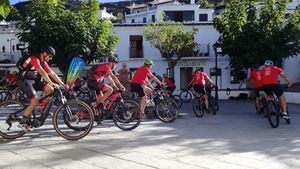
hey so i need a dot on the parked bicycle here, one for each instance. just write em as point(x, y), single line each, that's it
point(186, 95)
point(66, 121)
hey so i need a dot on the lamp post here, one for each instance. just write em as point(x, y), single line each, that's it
point(10, 45)
point(218, 51)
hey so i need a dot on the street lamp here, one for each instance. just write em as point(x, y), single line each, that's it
point(10, 45)
point(218, 51)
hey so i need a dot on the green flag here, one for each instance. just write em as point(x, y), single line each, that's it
point(4, 8)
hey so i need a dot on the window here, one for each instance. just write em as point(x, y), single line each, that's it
point(180, 16)
point(203, 17)
point(132, 20)
point(136, 46)
point(144, 20)
point(153, 18)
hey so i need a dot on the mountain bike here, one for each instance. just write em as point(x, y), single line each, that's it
point(274, 112)
point(175, 97)
point(66, 121)
point(126, 114)
point(186, 95)
point(199, 107)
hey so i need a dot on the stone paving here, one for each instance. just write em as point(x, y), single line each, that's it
point(236, 138)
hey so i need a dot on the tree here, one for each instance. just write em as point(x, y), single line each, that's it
point(4, 8)
point(250, 35)
point(203, 3)
point(14, 15)
point(69, 32)
point(170, 39)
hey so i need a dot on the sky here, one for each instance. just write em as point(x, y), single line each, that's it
point(12, 2)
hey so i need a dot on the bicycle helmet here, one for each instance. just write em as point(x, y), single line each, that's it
point(269, 63)
point(148, 62)
point(48, 49)
point(113, 59)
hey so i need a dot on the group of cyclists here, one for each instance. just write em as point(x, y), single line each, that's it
point(36, 75)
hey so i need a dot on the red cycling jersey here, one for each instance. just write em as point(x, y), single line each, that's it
point(255, 75)
point(102, 71)
point(140, 75)
point(270, 74)
point(34, 63)
point(199, 78)
point(169, 82)
point(11, 78)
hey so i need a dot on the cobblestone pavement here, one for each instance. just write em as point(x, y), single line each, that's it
point(236, 138)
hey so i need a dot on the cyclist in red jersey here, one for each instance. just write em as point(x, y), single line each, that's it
point(36, 68)
point(170, 84)
point(95, 82)
point(255, 77)
point(199, 78)
point(141, 85)
point(271, 85)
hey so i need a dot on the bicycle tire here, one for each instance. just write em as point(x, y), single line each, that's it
point(166, 115)
point(186, 96)
point(127, 115)
point(10, 105)
point(273, 114)
point(62, 110)
point(213, 105)
point(177, 100)
point(198, 108)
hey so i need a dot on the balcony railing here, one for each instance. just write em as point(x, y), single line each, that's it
point(201, 50)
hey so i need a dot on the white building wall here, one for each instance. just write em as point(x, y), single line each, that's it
point(8, 39)
point(291, 68)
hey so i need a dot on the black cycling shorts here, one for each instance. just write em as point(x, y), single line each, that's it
point(171, 89)
point(30, 87)
point(257, 90)
point(136, 87)
point(199, 89)
point(273, 88)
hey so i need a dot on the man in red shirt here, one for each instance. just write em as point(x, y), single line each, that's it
point(95, 82)
point(198, 81)
point(170, 84)
point(141, 85)
point(255, 77)
point(271, 85)
point(36, 68)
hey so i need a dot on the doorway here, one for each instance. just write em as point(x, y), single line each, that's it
point(186, 75)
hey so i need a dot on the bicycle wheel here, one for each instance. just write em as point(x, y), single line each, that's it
point(273, 114)
point(127, 115)
point(177, 100)
point(73, 120)
point(214, 107)
point(186, 96)
point(6, 95)
point(166, 110)
point(85, 97)
point(198, 107)
point(11, 113)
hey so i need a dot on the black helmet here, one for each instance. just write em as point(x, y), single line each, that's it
point(48, 49)
point(113, 59)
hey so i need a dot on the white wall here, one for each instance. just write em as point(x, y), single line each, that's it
point(291, 68)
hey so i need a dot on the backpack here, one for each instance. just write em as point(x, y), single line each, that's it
point(21, 61)
point(90, 72)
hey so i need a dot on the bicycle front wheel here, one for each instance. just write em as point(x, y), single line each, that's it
point(177, 100)
point(273, 114)
point(198, 107)
point(186, 96)
point(11, 112)
point(73, 120)
point(127, 115)
point(166, 110)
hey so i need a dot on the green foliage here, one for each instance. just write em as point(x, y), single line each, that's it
point(203, 3)
point(250, 36)
point(170, 39)
point(70, 32)
point(13, 15)
point(4, 8)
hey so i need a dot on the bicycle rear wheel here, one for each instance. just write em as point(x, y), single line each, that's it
point(273, 114)
point(198, 107)
point(11, 113)
point(186, 96)
point(127, 115)
point(166, 110)
point(213, 105)
point(73, 120)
